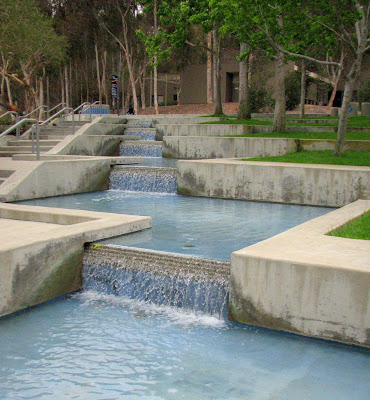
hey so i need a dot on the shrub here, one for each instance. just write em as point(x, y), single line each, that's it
point(292, 90)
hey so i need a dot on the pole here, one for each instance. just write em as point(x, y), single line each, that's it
point(118, 54)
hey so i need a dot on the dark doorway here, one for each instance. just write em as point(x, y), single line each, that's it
point(232, 87)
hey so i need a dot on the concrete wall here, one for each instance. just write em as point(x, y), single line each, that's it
point(99, 145)
point(318, 185)
point(55, 178)
point(217, 147)
point(205, 147)
point(47, 262)
point(305, 282)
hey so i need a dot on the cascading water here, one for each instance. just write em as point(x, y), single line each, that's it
point(142, 133)
point(144, 179)
point(141, 148)
point(159, 278)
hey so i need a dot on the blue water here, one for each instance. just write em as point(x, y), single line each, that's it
point(140, 150)
point(211, 228)
point(95, 346)
point(136, 178)
point(142, 134)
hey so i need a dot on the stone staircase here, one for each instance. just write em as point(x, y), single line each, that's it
point(50, 136)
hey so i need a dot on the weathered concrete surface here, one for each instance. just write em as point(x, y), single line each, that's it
point(319, 185)
point(305, 282)
point(183, 128)
point(202, 130)
point(190, 147)
point(41, 250)
point(97, 145)
point(54, 178)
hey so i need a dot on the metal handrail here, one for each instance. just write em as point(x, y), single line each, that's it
point(78, 108)
point(19, 124)
point(16, 120)
point(59, 113)
point(38, 108)
point(55, 107)
point(90, 107)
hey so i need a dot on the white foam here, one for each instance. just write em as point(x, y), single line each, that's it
point(181, 317)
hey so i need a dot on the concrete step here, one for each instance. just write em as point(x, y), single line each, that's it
point(57, 131)
point(52, 138)
point(69, 123)
point(24, 148)
point(16, 143)
point(6, 153)
point(5, 173)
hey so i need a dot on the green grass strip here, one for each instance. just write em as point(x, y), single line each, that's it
point(353, 122)
point(307, 135)
point(358, 228)
point(357, 158)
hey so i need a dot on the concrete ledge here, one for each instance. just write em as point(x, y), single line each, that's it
point(204, 147)
point(58, 177)
point(319, 185)
point(192, 147)
point(189, 128)
point(306, 282)
point(41, 250)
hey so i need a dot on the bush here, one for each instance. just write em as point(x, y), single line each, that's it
point(259, 99)
point(292, 90)
point(363, 92)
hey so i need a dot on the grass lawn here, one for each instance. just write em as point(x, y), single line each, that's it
point(353, 122)
point(358, 158)
point(234, 121)
point(308, 135)
point(358, 228)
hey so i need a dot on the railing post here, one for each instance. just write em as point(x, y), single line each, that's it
point(37, 141)
point(73, 122)
point(33, 138)
point(18, 128)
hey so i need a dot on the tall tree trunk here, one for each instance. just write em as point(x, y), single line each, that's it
point(362, 30)
point(217, 65)
point(98, 72)
point(303, 89)
point(9, 91)
point(104, 77)
point(244, 110)
point(142, 89)
point(151, 90)
point(209, 70)
point(66, 79)
point(280, 101)
point(335, 89)
point(62, 87)
point(48, 91)
point(155, 89)
point(41, 98)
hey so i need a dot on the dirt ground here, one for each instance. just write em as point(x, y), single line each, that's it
point(229, 108)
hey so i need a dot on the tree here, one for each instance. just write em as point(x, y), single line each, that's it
point(325, 24)
point(184, 18)
point(28, 43)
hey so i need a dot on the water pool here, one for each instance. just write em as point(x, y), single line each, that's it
point(211, 228)
point(93, 346)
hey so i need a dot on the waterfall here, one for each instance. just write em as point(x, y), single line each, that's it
point(142, 133)
point(160, 278)
point(144, 179)
point(141, 148)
